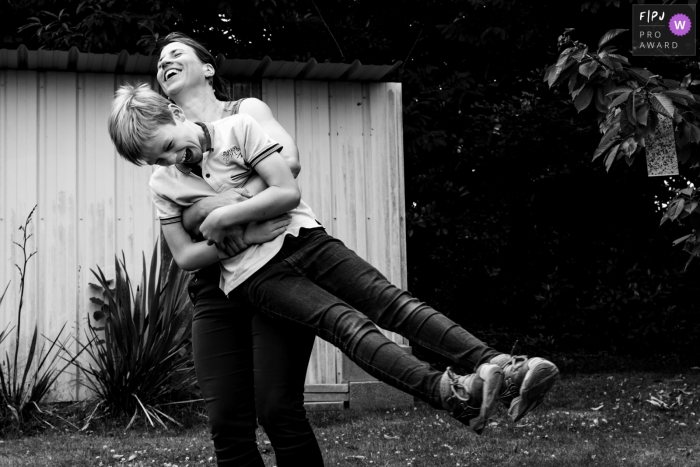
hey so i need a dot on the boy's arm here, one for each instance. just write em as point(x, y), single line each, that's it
point(281, 196)
point(194, 215)
point(189, 256)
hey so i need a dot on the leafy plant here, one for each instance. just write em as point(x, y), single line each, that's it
point(141, 356)
point(96, 25)
point(630, 102)
point(23, 385)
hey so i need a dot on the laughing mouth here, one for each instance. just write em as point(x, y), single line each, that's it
point(187, 156)
point(170, 73)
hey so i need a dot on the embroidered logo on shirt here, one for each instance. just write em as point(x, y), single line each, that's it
point(229, 154)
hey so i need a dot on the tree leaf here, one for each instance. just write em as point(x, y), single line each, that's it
point(628, 147)
point(601, 102)
point(549, 71)
point(680, 93)
point(629, 108)
point(619, 99)
point(564, 56)
point(576, 83)
point(611, 157)
point(620, 58)
point(604, 146)
point(682, 239)
point(620, 90)
point(642, 114)
point(686, 81)
point(686, 134)
point(579, 54)
point(584, 98)
point(553, 75)
point(610, 35)
point(588, 68)
point(662, 105)
point(676, 208)
point(571, 69)
point(695, 132)
point(610, 134)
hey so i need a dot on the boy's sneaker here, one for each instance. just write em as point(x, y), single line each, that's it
point(526, 382)
point(471, 398)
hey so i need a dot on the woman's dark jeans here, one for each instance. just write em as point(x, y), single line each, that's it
point(251, 366)
point(316, 281)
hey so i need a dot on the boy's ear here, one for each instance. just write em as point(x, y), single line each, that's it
point(178, 113)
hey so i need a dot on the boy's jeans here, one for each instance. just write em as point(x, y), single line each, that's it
point(316, 281)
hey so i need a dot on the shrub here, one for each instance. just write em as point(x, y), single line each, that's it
point(141, 357)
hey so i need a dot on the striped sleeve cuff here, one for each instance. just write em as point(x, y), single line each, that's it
point(171, 220)
point(266, 152)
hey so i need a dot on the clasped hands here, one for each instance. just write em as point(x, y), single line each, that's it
point(231, 239)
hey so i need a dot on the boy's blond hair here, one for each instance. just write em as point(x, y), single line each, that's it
point(137, 112)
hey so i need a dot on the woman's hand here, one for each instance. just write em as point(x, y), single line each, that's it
point(194, 215)
point(264, 231)
point(227, 237)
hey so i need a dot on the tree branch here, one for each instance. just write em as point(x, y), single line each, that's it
point(329, 30)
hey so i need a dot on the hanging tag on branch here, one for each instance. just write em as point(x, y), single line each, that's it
point(661, 150)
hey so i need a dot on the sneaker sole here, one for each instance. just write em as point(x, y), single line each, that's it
point(492, 377)
point(540, 378)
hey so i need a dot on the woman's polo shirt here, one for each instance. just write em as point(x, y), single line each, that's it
point(236, 145)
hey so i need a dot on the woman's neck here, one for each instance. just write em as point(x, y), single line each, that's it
point(200, 105)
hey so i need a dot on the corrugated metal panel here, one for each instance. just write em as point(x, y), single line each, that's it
point(350, 152)
point(74, 60)
point(55, 151)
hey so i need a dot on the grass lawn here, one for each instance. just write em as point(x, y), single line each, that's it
point(589, 420)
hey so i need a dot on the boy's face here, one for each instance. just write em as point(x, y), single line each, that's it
point(179, 143)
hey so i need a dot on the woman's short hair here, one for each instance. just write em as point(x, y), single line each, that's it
point(137, 113)
point(220, 85)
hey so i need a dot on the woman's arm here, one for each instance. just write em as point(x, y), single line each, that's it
point(263, 115)
point(281, 196)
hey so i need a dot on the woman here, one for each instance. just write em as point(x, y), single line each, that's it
point(250, 368)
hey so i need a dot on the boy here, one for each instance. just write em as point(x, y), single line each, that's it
point(305, 275)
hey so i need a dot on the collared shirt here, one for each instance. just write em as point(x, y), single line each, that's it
point(236, 145)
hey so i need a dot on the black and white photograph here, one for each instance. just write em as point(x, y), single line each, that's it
point(316, 233)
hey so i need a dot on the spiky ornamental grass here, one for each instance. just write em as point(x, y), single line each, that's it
point(141, 359)
point(25, 384)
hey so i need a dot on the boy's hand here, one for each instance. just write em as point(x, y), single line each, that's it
point(264, 231)
point(227, 238)
point(194, 215)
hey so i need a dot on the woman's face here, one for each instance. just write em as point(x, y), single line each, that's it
point(179, 68)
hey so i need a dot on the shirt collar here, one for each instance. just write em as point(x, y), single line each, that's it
point(186, 169)
point(207, 137)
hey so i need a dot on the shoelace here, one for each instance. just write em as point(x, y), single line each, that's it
point(456, 384)
point(511, 389)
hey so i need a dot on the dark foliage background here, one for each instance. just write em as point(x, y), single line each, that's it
point(513, 231)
